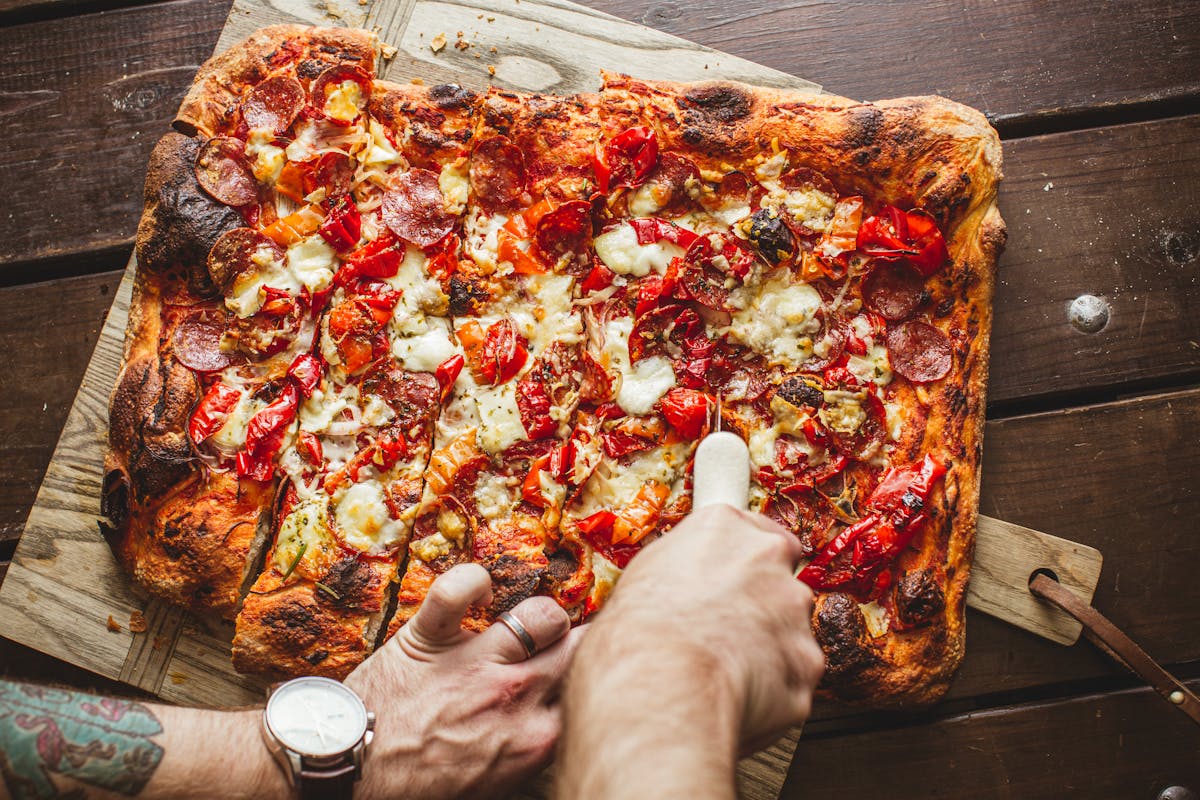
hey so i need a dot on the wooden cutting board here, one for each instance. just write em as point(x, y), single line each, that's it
point(63, 586)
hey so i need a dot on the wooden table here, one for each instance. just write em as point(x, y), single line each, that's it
point(1094, 436)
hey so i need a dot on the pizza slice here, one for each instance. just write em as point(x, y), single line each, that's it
point(226, 298)
point(365, 433)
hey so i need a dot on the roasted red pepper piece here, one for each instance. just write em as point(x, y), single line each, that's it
point(212, 411)
point(531, 488)
point(310, 447)
point(534, 405)
point(597, 529)
point(880, 537)
point(504, 352)
point(687, 410)
point(601, 277)
point(912, 235)
point(277, 303)
point(342, 226)
point(627, 159)
point(651, 229)
point(264, 435)
point(378, 259)
point(306, 371)
point(447, 373)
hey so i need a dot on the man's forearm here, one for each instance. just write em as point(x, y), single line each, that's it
point(56, 740)
point(659, 724)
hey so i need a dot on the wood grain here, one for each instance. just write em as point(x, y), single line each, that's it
point(82, 102)
point(1123, 745)
point(47, 333)
point(1005, 557)
point(1016, 61)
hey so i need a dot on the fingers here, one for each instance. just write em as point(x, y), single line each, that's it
point(552, 664)
point(541, 617)
point(438, 622)
point(789, 546)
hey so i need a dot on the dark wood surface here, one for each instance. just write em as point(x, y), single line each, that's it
point(1091, 436)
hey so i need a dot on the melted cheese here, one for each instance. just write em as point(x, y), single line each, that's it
point(843, 411)
point(430, 547)
point(319, 410)
point(553, 318)
point(232, 435)
point(620, 252)
point(421, 296)
point(266, 160)
point(304, 535)
point(455, 186)
point(874, 367)
point(642, 386)
point(311, 263)
point(425, 351)
point(344, 102)
point(499, 418)
point(482, 233)
point(363, 519)
point(876, 617)
point(615, 485)
point(380, 150)
point(493, 498)
point(778, 321)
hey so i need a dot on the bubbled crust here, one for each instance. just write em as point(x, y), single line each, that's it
point(300, 628)
point(180, 221)
point(431, 124)
point(210, 104)
point(927, 152)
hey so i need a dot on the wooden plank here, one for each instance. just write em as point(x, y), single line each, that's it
point(83, 101)
point(47, 334)
point(1112, 212)
point(1128, 744)
point(1018, 62)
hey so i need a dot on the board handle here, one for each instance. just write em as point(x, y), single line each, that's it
point(722, 471)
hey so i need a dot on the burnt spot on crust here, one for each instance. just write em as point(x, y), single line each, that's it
point(919, 596)
point(114, 497)
point(513, 580)
point(863, 125)
point(451, 96)
point(464, 295)
point(711, 112)
point(802, 393)
point(562, 564)
point(148, 423)
point(346, 582)
point(842, 634)
point(310, 68)
point(182, 222)
point(291, 623)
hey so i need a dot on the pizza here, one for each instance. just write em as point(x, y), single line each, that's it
point(379, 330)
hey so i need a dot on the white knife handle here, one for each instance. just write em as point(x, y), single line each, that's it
point(722, 471)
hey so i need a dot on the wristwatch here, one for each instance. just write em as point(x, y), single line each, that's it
point(318, 730)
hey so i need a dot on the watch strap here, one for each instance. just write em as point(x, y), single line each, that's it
point(326, 783)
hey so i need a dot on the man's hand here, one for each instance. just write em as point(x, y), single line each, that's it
point(463, 714)
point(703, 651)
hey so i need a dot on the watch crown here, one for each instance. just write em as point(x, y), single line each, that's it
point(370, 720)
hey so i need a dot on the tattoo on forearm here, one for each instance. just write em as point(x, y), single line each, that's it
point(100, 741)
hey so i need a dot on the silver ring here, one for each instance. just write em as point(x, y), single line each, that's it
point(519, 630)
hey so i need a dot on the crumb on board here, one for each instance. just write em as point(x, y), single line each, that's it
point(491, 70)
point(178, 678)
point(491, 19)
point(438, 44)
point(417, 81)
point(493, 49)
point(388, 52)
point(113, 625)
point(137, 622)
point(461, 45)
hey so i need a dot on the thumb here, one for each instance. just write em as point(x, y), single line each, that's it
point(437, 625)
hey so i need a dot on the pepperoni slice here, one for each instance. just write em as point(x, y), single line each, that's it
point(919, 351)
point(497, 171)
point(807, 515)
point(222, 171)
point(805, 178)
point(334, 171)
point(834, 332)
point(414, 210)
point(233, 254)
point(894, 289)
point(705, 285)
point(668, 182)
point(566, 232)
point(196, 341)
point(273, 104)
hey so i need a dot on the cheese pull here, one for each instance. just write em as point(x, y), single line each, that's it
point(722, 471)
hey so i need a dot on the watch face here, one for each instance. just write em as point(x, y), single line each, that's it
point(316, 716)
